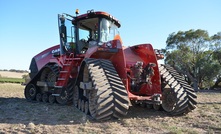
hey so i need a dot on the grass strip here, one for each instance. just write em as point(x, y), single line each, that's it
point(11, 80)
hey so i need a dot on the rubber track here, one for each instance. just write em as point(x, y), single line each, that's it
point(110, 96)
point(186, 97)
point(56, 70)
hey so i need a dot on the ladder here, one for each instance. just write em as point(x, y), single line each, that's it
point(64, 75)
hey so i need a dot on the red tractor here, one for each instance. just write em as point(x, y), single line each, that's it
point(91, 69)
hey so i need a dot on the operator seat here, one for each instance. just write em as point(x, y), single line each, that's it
point(82, 45)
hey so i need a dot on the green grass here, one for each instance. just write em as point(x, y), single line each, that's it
point(11, 80)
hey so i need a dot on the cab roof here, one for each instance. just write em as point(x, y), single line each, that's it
point(97, 14)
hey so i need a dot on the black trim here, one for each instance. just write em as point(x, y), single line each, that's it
point(33, 68)
point(95, 15)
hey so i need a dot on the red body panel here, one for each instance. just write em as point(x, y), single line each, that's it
point(45, 56)
point(117, 57)
point(124, 59)
point(145, 54)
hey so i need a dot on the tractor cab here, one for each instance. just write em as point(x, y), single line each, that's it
point(78, 33)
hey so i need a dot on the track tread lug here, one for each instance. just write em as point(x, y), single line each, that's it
point(186, 97)
point(109, 97)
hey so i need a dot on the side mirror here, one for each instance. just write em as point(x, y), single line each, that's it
point(63, 32)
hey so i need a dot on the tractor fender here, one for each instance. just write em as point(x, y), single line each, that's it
point(38, 74)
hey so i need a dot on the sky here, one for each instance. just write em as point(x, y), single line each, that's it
point(28, 27)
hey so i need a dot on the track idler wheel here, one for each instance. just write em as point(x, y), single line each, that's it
point(63, 98)
point(51, 99)
point(30, 92)
point(45, 97)
point(38, 97)
point(156, 107)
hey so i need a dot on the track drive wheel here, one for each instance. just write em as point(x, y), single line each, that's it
point(30, 92)
point(50, 73)
point(169, 100)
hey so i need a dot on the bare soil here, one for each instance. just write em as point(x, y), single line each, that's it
point(11, 74)
point(19, 116)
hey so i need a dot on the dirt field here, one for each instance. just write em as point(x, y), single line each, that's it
point(19, 116)
point(11, 74)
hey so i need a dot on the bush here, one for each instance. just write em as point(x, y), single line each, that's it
point(25, 76)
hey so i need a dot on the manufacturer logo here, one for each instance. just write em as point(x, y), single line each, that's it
point(55, 51)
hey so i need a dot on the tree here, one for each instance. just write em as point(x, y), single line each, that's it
point(216, 47)
point(190, 52)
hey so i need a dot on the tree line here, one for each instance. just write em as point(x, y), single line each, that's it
point(14, 70)
point(197, 55)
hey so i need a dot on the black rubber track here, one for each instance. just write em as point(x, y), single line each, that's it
point(184, 93)
point(67, 92)
point(66, 96)
point(109, 97)
point(50, 73)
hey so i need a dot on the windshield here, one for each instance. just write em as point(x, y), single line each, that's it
point(108, 30)
point(90, 32)
point(88, 29)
